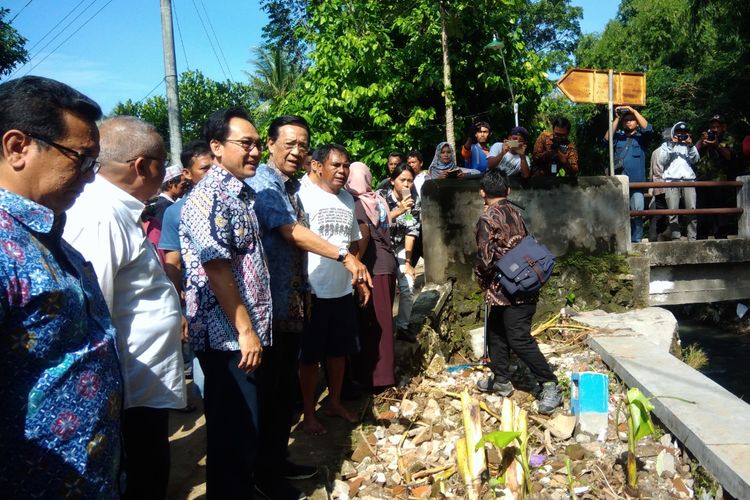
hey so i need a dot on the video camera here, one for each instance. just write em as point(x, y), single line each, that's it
point(682, 137)
point(710, 135)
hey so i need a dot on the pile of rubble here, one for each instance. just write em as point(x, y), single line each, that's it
point(406, 447)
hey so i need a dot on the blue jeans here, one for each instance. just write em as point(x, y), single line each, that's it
point(636, 223)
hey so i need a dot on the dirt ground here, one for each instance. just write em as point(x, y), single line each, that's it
point(187, 478)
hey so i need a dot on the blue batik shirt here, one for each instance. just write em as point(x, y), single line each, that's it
point(218, 222)
point(276, 205)
point(60, 384)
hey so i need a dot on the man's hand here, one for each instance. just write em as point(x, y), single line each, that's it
point(363, 293)
point(251, 350)
point(358, 270)
point(184, 337)
point(409, 269)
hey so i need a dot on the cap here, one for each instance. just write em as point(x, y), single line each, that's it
point(681, 127)
point(173, 171)
point(716, 118)
point(520, 131)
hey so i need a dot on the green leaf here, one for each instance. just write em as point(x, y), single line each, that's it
point(640, 412)
point(498, 439)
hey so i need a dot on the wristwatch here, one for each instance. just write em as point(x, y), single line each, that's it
point(343, 252)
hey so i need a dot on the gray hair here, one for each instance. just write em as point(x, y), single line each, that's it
point(126, 137)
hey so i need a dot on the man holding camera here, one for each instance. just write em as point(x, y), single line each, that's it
point(630, 157)
point(510, 155)
point(677, 159)
point(717, 163)
point(553, 153)
point(475, 153)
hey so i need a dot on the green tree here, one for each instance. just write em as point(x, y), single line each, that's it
point(285, 20)
point(12, 46)
point(375, 78)
point(275, 74)
point(199, 97)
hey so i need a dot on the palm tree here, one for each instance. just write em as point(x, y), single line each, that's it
point(275, 74)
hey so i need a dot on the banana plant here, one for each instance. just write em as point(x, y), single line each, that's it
point(640, 425)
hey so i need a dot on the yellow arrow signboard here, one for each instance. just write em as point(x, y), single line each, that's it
point(592, 86)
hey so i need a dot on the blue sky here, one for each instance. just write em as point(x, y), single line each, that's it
point(117, 55)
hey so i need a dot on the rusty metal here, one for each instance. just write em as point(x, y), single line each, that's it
point(686, 211)
point(680, 184)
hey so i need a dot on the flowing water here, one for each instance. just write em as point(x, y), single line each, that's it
point(728, 355)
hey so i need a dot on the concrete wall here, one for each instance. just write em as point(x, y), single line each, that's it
point(588, 213)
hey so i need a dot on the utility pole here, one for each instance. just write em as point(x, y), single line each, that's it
point(447, 88)
point(170, 77)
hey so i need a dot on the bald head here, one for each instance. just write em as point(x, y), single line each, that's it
point(132, 155)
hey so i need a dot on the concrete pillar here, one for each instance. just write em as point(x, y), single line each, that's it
point(743, 201)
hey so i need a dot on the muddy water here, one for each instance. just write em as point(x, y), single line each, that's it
point(728, 355)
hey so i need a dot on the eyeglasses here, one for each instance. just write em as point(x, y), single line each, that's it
point(85, 162)
point(301, 147)
point(163, 162)
point(246, 145)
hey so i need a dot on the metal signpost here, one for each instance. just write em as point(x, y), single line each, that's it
point(604, 87)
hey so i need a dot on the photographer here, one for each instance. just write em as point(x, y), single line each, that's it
point(475, 150)
point(718, 163)
point(553, 153)
point(510, 155)
point(630, 157)
point(677, 159)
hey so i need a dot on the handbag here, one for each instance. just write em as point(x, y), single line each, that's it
point(525, 268)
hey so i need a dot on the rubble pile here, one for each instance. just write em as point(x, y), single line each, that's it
point(406, 446)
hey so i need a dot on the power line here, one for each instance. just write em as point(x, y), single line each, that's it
point(179, 33)
point(52, 29)
point(19, 12)
point(208, 19)
point(209, 40)
point(69, 37)
point(151, 91)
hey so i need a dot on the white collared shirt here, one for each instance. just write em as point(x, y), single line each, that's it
point(104, 225)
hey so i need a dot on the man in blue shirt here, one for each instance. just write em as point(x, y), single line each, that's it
point(630, 144)
point(285, 241)
point(60, 383)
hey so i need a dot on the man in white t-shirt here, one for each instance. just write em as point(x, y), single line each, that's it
point(331, 332)
point(510, 155)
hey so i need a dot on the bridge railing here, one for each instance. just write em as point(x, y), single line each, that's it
point(736, 210)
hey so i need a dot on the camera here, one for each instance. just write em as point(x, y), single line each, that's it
point(621, 112)
point(682, 137)
point(710, 135)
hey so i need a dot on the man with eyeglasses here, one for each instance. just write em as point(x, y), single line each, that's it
point(285, 240)
point(60, 385)
point(105, 226)
point(228, 300)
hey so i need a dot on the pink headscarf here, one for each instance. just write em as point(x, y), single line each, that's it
point(359, 185)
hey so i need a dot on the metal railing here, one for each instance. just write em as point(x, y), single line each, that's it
point(687, 211)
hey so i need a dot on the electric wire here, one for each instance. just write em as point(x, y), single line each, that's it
point(69, 37)
point(151, 91)
point(19, 12)
point(179, 34)
point(49, 32)
point(210, 43)
point(218, 44)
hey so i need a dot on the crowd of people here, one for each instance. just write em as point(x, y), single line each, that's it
point(253, 276)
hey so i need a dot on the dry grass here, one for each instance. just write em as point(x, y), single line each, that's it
point(694, 357)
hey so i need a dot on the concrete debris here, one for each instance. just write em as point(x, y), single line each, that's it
point(407, 445)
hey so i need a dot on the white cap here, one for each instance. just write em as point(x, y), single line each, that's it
point(173, 171)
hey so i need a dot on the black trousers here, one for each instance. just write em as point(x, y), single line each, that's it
point(509, 328)
point(231, 407)
point(145, 440)
point(278, 392)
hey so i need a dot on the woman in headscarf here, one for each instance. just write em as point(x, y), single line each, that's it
point(444, 163)
point(374, 366)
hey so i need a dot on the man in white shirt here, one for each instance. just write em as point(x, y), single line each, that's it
point(104, 225)
point(510, 155)
point(331, 333)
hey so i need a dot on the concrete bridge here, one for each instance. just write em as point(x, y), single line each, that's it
point(591, 214)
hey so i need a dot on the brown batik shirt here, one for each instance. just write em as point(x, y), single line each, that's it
point(499, 229)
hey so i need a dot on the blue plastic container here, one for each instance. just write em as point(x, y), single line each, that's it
point(589, 392)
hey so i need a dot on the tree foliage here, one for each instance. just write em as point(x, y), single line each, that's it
point(199, 97)
point(375, 77)
point(12, 45)
point(696, 57)
point(285, 20)
point(275, 74)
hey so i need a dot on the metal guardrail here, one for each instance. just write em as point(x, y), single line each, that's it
point(686, 211)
